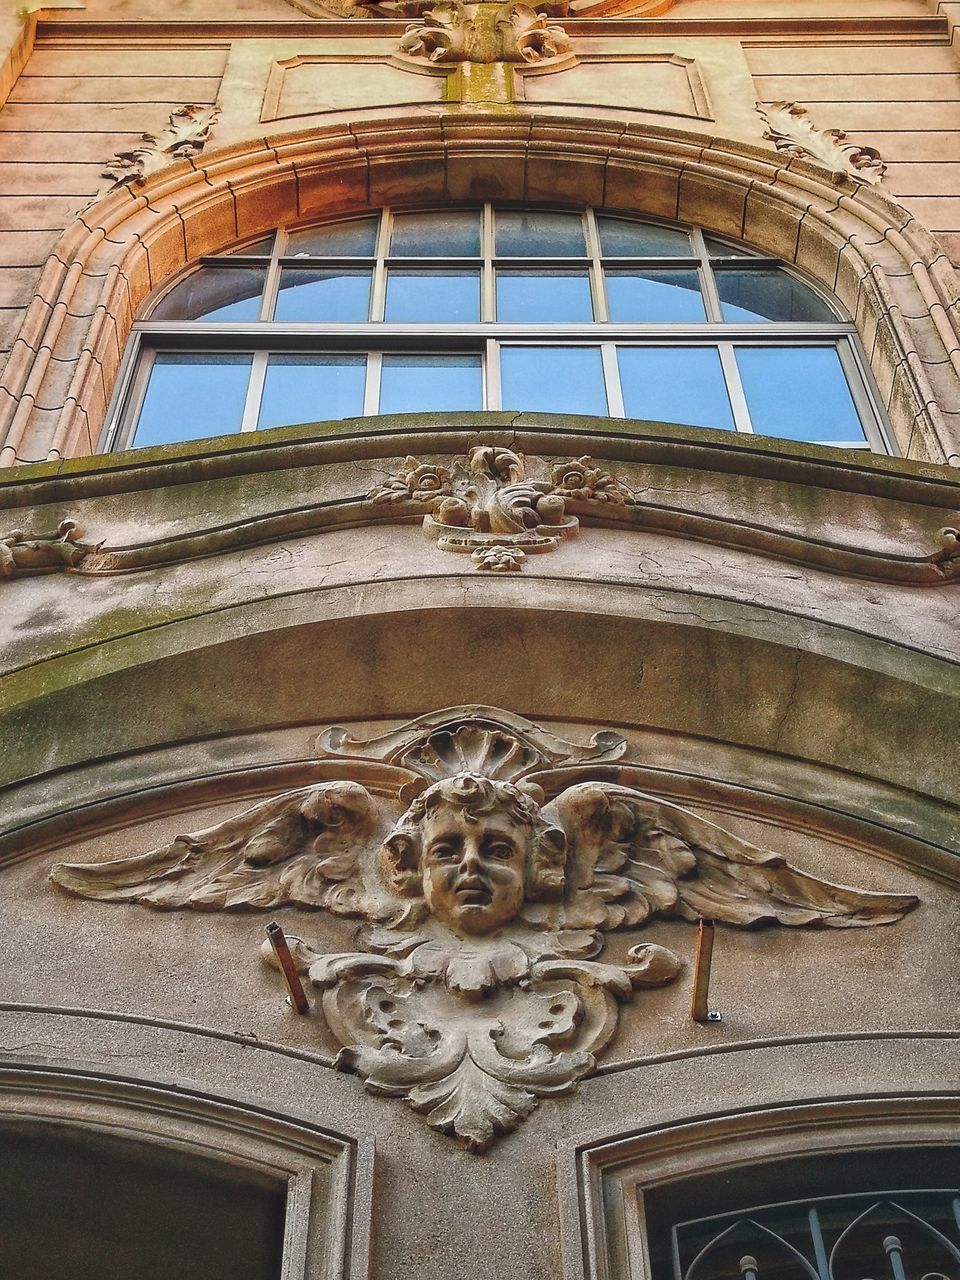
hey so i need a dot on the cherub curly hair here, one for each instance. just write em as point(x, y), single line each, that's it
point(476, 797)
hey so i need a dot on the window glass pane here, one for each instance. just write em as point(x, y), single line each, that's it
point(435, 297)
point(214, 293)
point(192, 395)
point(540, 235)
point(552, 379)
point(429, 383)
point(354, 239)
point(259, 249)
point(543, 297)
point(800, 393)
point(623, 238)
point(670, 297)
point(436, 235)
point(770, 294)
point(675, 384)
point(719, 249)
point(79, 1204)
point(311, 388)
point(323, 296)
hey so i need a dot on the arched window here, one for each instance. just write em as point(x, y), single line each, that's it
point(553, 311)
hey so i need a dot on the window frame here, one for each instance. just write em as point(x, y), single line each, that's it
point(375, 336)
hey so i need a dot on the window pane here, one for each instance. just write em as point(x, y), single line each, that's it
point(647, 296)
point(192, 395)
point(718, 249)
point(354, 239)
point(622, 238)
point(540, 235)
point(437, 235)
point(552, 379)
point(214, 293)
point(259, 249)
point(427, 384)
point(318, 297)
point(800, 393)
point(746, 296)
point(675, 384)
point(311, 388)
point(543, 297)
point(435, 297)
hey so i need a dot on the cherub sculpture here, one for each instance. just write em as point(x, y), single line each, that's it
point(474, 991)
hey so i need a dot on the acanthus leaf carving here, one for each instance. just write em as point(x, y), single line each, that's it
point(792, 131)
point(450, 31)
point(184, 137)
point(477, 989)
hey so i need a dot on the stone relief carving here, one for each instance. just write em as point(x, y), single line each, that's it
point(486, 502)
point(947, 559)
point(23, 557)
point(792, 131)
point(486, 859)
point(451, 31)
point(486, 505)
point(185, 136)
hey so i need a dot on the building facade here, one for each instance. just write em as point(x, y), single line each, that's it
point(480, 566)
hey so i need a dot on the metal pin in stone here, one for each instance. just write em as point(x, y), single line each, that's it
point(281, 948)
point(700, 1010)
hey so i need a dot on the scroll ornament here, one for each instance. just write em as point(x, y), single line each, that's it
point(23, 557)
point(792, 131)
point(487, 861)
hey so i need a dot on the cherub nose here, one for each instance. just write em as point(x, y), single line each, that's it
point(471, 863)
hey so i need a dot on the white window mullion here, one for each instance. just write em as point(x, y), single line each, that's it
point(251, 406)
point(611, 377)
point(491, 375)
point(488, 288)
point(731, 375)
point(371, 390)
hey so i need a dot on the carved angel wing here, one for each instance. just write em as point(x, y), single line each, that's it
point(314, 847)
point(632, 856)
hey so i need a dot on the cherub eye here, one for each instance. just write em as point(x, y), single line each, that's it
point(444, 853)
point(500, 851)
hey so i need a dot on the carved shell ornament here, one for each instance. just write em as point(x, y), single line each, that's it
point(485, 881)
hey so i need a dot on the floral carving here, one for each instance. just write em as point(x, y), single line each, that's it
point(22, 557)
point(486, 880)
point(450, 31)
point(415, 481)
point(581, 480)
point(499, 559)
point(792, 131)
point(184, 137)
point(487, 503)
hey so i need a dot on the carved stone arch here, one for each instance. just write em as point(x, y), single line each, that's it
point(859, 244)
point(630, 647)
point(608, 1178)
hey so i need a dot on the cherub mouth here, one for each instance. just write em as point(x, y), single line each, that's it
point(473, 897)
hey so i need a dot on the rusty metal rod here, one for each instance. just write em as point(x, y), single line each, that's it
point(700, 1010)
point(281, 948)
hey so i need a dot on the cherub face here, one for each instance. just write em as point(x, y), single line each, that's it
point(473, 868)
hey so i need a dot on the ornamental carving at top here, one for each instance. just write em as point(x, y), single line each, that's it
point(792, 131)
point(450, 31)
point(486, 505)
point(487, 860)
